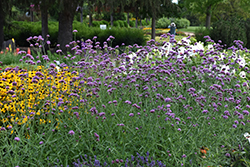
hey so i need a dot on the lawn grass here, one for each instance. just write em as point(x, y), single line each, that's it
point(189, 29)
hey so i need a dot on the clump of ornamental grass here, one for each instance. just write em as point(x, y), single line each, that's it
point(187, 105)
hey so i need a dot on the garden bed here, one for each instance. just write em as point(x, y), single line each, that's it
point(186, 105)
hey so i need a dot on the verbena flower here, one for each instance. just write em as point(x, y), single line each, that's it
point(71, 132)
point(17, 139)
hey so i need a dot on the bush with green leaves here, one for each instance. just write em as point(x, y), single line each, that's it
point(181, 23)
point(23, 30)
point(200, 33)
point(144, 23)
point(125, 24)
point(96, 23)
point(132, 23)
point(248, 32)
point(128, 36)
point(104, 22)
point(229, 30)
point(116, 24)
point(121, 23)
point(163, 22)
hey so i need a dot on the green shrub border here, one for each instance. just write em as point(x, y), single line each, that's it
point(20, 31)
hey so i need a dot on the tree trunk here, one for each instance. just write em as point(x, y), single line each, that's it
point(136, 16)
point(1, 25)
point(136, 22)
point(111, 19)
point(140, 21)
point(81, 14)
point(128, 18)
point(66, 16)
point(208, 17)
point(45, 29)
point(31, 15)
point(153, 26)
point(90, 19)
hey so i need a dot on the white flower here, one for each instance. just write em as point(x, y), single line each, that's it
point(210, 47)
point(131, 56)
point(58, 69)
point(242, 61)
point(242, 74)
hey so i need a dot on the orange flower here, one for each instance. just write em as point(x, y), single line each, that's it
point(17, 50)
point(203, 151)
point(28, 52)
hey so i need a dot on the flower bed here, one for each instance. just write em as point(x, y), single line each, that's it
point(186, 105)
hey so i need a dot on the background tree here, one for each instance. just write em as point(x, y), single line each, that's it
point(111, 7)
point(203, 7)
point(2, 15)
point(67, 9)
point(5, 10)
point(229, 8)
point(154, 8)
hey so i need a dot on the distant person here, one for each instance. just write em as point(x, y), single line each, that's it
point(172, 31)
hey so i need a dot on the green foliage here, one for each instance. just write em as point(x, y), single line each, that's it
point(248, 33)
point(182, 22)
point(229, 30)
point(125, 24)
point(9, 58)
point(23, 30)
point(132, 23)
point(116, 16)
point(116, 24)
point(200, 33)
point(144, 23)
point(121, 23)
point(104, 22)
point(95, 23)
point(122, 35)
point(163, 22)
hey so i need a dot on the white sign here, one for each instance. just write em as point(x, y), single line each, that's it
point(103, 26)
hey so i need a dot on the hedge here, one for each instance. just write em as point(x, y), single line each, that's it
point(229, 30)
point(20, 31)
point(164, 22)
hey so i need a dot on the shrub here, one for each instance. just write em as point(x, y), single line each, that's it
point(122, 35)
point(144, 23)
point(132, 23)
point(229, 30)
point(163, 23)
point(200, 33)
point(125, 24)
point(96, 23)
point(20, 31)
point(121, 23)
point(181, 23)
point(248, 33)
point(116, 24)
point(104, 22)
point(116, 16)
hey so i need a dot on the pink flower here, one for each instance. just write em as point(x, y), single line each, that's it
point(71, 132)
point(17, 139)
